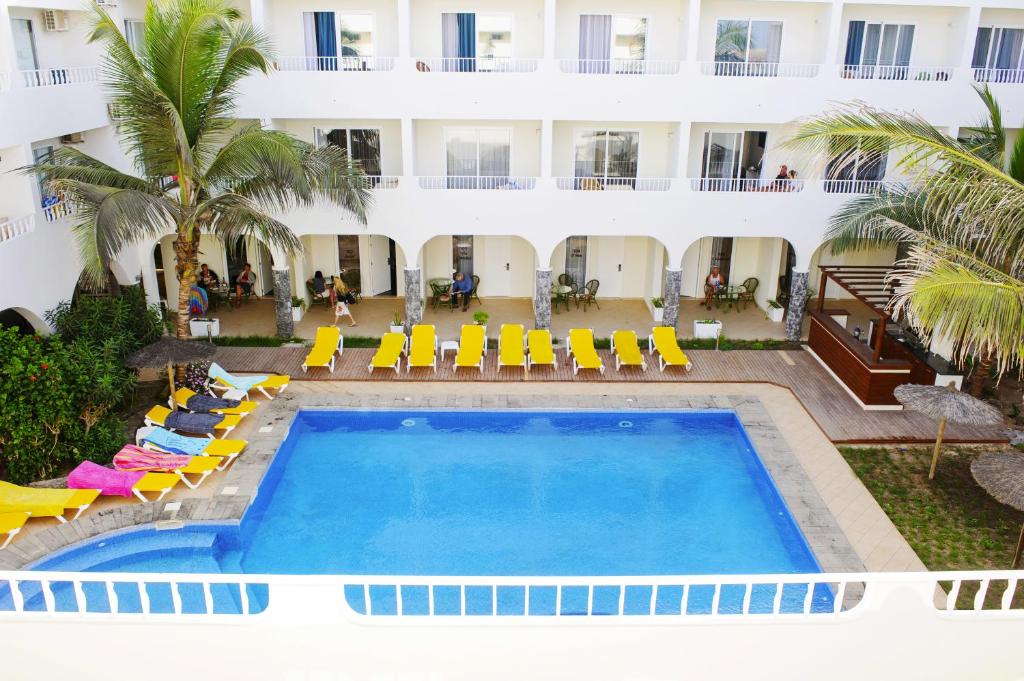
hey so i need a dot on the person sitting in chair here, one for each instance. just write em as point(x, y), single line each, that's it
point(207, 278)
point(714, 281)
point(321, 288)
point(243, 283)
point(461, 285)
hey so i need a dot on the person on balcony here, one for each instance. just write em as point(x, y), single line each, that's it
point(792, 185)
point(714, 281)
point(781, 182)
point(461, 285)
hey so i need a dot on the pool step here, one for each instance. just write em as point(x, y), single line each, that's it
point(115, 551)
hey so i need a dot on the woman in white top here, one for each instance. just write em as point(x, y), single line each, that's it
point(714, 281)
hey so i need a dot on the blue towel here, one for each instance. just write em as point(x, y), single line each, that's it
point(206, 404)
point(243, 383)
point(177, 444)
point(193, 423)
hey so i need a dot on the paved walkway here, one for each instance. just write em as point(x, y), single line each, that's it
point(823, 398)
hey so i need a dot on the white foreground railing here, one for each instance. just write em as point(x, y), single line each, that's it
point(16, 227)
point(917, 73)
point(57, 211)
point(646, 67)
point(476, 64)
point(575, 600)
point(506, 182)
point(303, 63)
point(382, 181)
point(759, 69)
point(999, 75)
point(852, 186)
point(61, 76)
point(724, 184)
point(639, 184)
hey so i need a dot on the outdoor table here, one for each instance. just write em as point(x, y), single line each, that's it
point(449, 345)
point(440, 287)
point(730, 294)
point(561, 292)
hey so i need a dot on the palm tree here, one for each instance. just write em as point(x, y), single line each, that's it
point(960, 219)
point(198, 170)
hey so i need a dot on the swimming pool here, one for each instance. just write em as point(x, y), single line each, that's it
point(491, 493)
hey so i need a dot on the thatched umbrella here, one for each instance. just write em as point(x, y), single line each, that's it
point(169, 351)
point(946, 404)
point(1002, 476)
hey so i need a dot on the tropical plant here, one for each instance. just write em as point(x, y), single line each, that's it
point(481, 317)
point(959, 218)
point(198, 170)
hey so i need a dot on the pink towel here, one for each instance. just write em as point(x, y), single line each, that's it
point(132, 458)
point(89, 475)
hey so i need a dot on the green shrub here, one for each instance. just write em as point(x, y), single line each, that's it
point(249, 341)
point(125, 320)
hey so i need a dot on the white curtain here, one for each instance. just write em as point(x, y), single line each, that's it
point(309, 31)
point(494, 153)
point(595, 42)
point(450, 38)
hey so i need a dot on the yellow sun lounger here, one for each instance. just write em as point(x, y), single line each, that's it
point(221, 380)
point(626, 349)
point(11, 523)
point(199, 466)
point(328, 341)
point(155, 483)
point(224, 450)
point(580, 348)
point(45, 502)
point(389, 354)
point(157, 416)
point(183, 395)
point(511, 350)
point(663, 339)
point(472, 347)
point(422, 348)
point(542, 353)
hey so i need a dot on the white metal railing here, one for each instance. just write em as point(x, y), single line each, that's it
point(507, 182)
point(57, 211)
point(759, 69)
point(16, 227)
point(382, 181)
point(724, 184)
point(917, 73)
point(852, 186)
point(648, 67)
point(569, 600)
point(476, 64)
point(60, 76)
point(999, 75)
point(5, 81)
point(640, 184)
point(303, 63)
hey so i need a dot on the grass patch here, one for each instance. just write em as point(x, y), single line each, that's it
point(252, 341)
point(951, 522)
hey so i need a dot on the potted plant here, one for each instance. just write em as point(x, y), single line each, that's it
point(480, 317)
point(707, 328)
point(775, 311)
point(658, 309)
point(397, 325)
point(298, 308)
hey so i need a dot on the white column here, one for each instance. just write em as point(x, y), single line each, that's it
point(149, 282)
point(835, 31)
point(683, 152)
point(970, 36)
point(546, 147)
point(258, 10)
point(404, 29)
point(408, 148)
point(693, 32)
point(550, 19)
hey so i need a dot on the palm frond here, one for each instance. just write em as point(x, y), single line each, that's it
point(231, 216)
point(987, 140)
point(1015, 164)
point(67, 163)
point(886, 218)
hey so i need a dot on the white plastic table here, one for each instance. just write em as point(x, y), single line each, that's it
point(449, 345)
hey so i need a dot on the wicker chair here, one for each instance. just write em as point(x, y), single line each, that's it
point(472, 291)
point(588, 295)
point(323, 297)
point(750, 285)
point(352, 282)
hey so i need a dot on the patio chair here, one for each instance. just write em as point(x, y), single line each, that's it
point(328, 342)
point(579, 349)
point(45, 502)
point(389, 354)
point(626, 349)
point(511, 349)
point(220, 379)
point(750, 285)
point(162, 440)
point(663, 339)
point(541, 351)
point(11, 523)
point(189, 400)
point(472, 291)
point(203, 424)
point(472, 347)
point(422, 348)
point(323, 297)
point(135, 458)
point(111, 482)
point(588, 295)
point(353, 283)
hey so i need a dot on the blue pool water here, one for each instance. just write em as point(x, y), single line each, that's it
point(491, 493)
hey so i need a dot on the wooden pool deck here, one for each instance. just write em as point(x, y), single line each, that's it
point(835, 412)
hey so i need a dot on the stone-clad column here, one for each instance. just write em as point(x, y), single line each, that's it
point(283, 302)
point(413, 298)
point(542, 299)
point(670, 295)
point(797, 301)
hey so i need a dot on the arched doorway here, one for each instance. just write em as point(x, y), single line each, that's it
point(22, 320)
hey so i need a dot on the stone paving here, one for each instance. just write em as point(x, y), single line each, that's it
point(845, 527)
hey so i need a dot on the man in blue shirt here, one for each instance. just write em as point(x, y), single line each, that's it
point(464, 286)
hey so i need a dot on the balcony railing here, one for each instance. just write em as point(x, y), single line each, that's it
point(639, 184)
point(49, 77)
point(852, 186)
point(758, 69)
point(506, 182)
point(58, 211)
point(476, 65)
point(999, 75)
point(726, 184)
point(11, 229)
point(382, 181)
point(335, 63)
point(916, 73)
point(646, 67)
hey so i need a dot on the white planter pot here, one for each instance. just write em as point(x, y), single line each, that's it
point(658, 313)
point(297, 314)
point(397, 329)
point(706, 330)
point(201, 328)
point(775, 314)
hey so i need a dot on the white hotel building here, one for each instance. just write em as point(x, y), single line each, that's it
point(635, 143)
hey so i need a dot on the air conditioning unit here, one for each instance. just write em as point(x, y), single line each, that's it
point(73, 138)
point(55, 20)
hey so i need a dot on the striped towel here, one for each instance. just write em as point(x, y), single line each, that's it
point(178, 444)
point(132, 458)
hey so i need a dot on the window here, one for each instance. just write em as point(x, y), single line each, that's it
point(878, 50)
point(477, 157)
point(607, 40)
point(338, 41)
point(998, 54)
point(321, 41)
point(134, 34)
point(734, 161)
point(44, 155)
point(493, 41)
point(607, 156)
point(355, 33)
point(854, 172)
point(747, 47)
point(361, 144)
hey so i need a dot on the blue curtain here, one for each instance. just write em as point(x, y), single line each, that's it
point(467, 41)
point(854, 41)
point(326, 41)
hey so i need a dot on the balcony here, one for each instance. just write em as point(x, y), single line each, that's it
point(639, 184)
point(44, 103)
point(58, 211)
point(620, 67)
point(938, 74)
point(758, 69)
point(303, 63)
point(12, 229)
point(476, 65)
point(998, 75)
point(59, 76)
point(728, 184)
point(505, 182)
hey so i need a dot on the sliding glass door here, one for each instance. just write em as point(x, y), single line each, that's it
point(477, 158)
point(855, 172)
point(733, 161)
point(612, 43)
point(878, 50)
point(361, 144)
point(998, 55)
point(747, 47)
point(606, 158)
